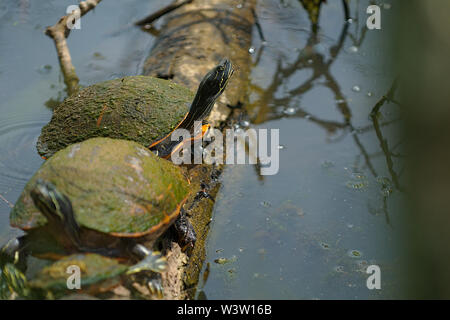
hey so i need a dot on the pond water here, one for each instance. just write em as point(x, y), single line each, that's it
point(309, 231)
point(333, 209)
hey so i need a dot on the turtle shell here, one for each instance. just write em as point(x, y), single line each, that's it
point(137, 108)
point(115, 186)
point(94, 270)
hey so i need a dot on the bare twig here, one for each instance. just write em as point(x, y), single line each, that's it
point(258, 26)
point(6, 201)
point(388, 97)
point(346, 10)
point(158, 14)
point(59, 33)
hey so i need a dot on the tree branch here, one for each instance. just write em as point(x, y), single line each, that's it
point(59, 33)
point(158, 14)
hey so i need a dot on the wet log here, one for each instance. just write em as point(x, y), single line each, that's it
point(193, 40)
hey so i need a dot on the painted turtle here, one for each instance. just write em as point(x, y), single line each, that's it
point(96, 273)
point(138, 108)
point(106, 196)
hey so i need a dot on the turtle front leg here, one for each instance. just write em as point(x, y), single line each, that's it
point(152, 261)
point(185, 231)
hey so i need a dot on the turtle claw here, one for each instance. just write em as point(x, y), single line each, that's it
point(153, 261)
point(155, 288)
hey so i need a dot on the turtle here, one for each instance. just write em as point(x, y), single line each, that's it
point(106, 196)
point(90, 273)
point(138, 108)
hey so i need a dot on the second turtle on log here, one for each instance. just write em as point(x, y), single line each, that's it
point(106, 196)
point(138, 108)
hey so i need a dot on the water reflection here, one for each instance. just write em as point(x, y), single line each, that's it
point(287, 82)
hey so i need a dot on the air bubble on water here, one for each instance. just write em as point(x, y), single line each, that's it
point(251, 50)
point(239, 6)
point(353, 49)
point(350, 20)
point(356, 88)
point(289, 111)
point(244, 123)
point(369, 94)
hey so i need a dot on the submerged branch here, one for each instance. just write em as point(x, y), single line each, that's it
point(6, 201)
point(59, 33)
point(158, 14)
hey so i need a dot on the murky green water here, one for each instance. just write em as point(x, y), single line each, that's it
point(333, 209)
point(309, 231)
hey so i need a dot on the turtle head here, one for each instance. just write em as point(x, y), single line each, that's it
point(55, 206)
point(50, 202)
point(210, 88)
point(215, 81)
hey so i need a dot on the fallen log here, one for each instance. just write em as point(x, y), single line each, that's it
point(193, 40)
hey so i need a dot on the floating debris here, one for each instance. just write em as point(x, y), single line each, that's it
point(369, 94)
point(386, 186)
point(354, 254)
point(362, 266)
point(98, 56)
point(221, 260)
point(265, 204)
point(225, 260)
point(251, 50)
point(358, 182)
point(46, 69)
point(281, 147)
point(324, 245)
point(339, 269)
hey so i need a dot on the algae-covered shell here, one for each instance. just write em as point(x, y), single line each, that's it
point(137, 108)
point(94, 271)
point(115, 186)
